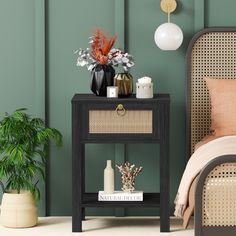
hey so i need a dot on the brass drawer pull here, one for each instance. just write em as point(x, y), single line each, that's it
point(120, 110)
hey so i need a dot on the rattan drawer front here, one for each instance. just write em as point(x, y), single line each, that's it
point(108, 121)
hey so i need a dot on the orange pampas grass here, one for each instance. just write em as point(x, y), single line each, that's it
point(101, 46)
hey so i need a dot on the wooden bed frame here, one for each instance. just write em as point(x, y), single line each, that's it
point(212, 52)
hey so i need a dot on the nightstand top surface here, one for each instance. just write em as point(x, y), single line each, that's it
point(79, 97)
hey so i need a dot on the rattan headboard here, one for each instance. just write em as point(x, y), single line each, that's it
point(212, 52)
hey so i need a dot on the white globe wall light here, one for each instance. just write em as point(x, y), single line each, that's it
point(168, 36)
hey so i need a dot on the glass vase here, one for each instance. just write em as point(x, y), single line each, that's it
point(124, 82)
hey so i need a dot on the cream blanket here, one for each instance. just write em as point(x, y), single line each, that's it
point(221, 146)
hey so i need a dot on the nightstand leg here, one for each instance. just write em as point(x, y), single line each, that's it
point(78, 188)
point(77, 221)
point(164, 215)
point(83, 213)
point(164, 196)
point(164, 172)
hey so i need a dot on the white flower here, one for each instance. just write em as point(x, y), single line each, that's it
point(90, 67)
point(125, 60)
point(115, 57)
point(81, 62)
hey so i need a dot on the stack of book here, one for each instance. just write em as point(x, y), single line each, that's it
point(121, 196)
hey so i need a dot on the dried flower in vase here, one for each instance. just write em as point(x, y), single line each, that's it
point(128, 174)
point(101, 46)
point(101, 52)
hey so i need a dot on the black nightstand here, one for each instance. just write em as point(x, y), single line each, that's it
point(124, 120)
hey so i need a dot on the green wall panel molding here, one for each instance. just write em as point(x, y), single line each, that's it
point(40, 58)
point(39, 70)
point(220, 13)
point(120, 158)
point(120, 23)
point(199, 15)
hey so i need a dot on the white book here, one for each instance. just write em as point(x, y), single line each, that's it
point(121, 196)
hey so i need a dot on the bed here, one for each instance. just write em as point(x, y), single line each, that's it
point(212, 52)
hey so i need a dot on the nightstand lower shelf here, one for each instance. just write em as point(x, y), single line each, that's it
point(149, 200)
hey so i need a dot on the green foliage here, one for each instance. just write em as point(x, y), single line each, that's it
point(23, 142)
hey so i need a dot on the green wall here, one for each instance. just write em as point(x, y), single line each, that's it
point(37, 70)
point(22, 80)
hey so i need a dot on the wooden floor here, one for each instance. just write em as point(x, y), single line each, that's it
point(102, 226)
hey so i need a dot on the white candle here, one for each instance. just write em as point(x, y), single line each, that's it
point(145, 80)
point(112, 91)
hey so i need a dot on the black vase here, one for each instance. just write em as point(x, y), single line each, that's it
point(102, 76)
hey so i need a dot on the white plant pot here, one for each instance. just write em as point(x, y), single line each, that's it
point(18, 210)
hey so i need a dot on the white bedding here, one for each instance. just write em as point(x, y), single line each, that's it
point(221, 146)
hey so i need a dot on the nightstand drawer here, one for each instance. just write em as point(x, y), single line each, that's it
point(120, 121)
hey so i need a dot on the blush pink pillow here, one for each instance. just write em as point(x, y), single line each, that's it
point(223, 106)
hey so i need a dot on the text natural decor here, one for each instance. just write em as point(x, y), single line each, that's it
point(100, 58)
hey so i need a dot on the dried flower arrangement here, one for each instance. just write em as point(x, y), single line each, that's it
point(128, 174)
point(101, 52)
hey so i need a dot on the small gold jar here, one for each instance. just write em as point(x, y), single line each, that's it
point(124, 82)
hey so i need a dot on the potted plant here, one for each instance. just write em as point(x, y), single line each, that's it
point(100, 59)
point(22, 160)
